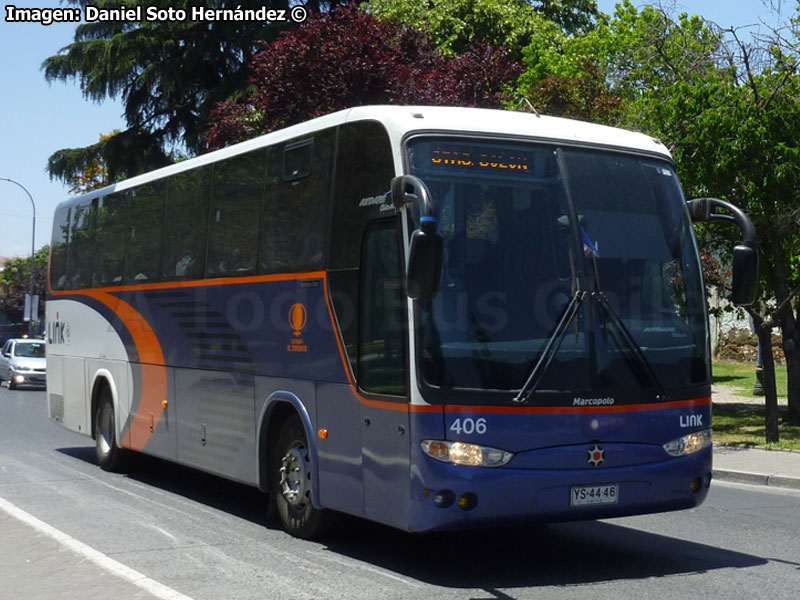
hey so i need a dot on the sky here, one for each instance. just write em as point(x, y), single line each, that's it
point(37, 118)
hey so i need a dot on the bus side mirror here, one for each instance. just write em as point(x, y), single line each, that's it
point(424, 266)
point(745, 275)
point(745, 255)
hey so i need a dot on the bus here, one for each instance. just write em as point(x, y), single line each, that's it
point(430, 317)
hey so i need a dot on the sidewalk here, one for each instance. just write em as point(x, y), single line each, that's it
point(755, 466)
point(37, 566)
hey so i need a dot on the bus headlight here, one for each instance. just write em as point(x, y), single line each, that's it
point(462, 453)
point(689, 444)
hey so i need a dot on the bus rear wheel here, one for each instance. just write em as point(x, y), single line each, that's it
point(291, 483)
point(110, 456)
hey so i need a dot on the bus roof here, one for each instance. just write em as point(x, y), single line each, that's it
point(401, 121)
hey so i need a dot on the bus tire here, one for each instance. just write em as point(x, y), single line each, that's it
point(110, 456)
point(291, 483)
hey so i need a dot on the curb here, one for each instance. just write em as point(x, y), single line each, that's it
point(781, 481)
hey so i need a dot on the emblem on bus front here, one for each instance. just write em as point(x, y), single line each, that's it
point(596, 455)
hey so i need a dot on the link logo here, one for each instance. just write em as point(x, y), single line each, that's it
point(691, 420)
point(57, 331)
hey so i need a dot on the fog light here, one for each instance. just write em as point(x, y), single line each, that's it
point(19, 379)
point(444, 498)
point(697, 483)
point(468, 501)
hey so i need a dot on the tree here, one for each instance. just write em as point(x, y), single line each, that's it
point(729, 111)
point(367, 61)
point(735, 137)
point(604, 75)
point(94, 176)
point(168, 74)
point(15, 283)
point(454, 25)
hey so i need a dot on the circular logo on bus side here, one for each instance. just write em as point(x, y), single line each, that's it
point(298, 317)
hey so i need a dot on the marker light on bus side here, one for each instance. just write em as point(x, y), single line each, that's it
point(462, 453)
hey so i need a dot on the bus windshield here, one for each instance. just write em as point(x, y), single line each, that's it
point(527, 229)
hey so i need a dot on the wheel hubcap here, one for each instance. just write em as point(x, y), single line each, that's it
point(295, 476)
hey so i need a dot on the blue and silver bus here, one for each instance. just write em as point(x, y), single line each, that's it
point(429, 317)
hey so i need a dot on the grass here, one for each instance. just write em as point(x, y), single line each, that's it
point(742, 376)
point(743, 425)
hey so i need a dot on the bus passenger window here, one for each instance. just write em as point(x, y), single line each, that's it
point(109, 239)
point(298, 192)
point(79, 253)
point(186, 225)
point(237, 191)
point(58, 256)
point(146, 220)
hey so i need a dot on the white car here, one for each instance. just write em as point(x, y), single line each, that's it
point(22, 362)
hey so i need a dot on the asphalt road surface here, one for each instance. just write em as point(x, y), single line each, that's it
point(162, 531)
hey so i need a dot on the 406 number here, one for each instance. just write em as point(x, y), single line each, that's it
point(469, 426)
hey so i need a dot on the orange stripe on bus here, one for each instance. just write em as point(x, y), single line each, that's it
point(192, 283)
point(153, 370)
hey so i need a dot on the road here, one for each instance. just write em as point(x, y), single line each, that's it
point(206, 538)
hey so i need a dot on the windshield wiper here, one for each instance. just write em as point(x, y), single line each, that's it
point(551, 348)
point(555, 340)
point(627, 337)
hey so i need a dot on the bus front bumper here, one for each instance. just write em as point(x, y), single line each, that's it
point(464, 497)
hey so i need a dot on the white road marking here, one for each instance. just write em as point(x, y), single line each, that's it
point(105, 562)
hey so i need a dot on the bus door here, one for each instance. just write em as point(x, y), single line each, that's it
point(382, 375)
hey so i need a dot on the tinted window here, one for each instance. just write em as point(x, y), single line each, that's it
point(109, 238)
point(186, 225)
point(58, 255)
point(296, 211)
point(79, 251)
point(381, 356)
point(145, 225)
point(364, 170)
point(237, 191)
point(297, 159)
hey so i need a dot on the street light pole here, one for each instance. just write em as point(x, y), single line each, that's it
point(33, 249)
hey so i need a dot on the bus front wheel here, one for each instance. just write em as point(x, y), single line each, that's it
point(291, 483)
point(109, 456)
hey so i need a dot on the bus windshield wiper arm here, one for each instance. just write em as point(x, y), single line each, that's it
point(627, 337)
point(551, 348)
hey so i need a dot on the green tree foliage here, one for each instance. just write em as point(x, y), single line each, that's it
point(608, 71)
point(15, 283)
point(168, 75)
point(454, 25)
point(734, 136)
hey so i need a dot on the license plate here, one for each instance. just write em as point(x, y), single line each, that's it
point(594, 494)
